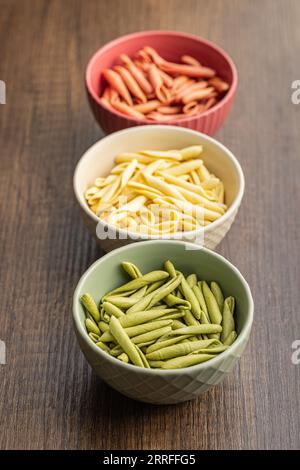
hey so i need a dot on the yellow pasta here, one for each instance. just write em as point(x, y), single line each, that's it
point(147, 217)
point(219, 192)
point(185, 167)
point(163, 186)
point(111, 190)
point(191, 152)
point(195, 177)
point(169, 154)
point(210, 183)
point(153, 167)
point(158, 192)
point(128, 173)
point(203, 173)
point(128, 157)
point(178, 181)
point(99, 182)
point(118, 169)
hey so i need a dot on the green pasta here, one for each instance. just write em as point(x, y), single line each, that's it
point(116, 350)
point(172, 300)
point(186, 361)
point(92, 327)
point(145, 337)
point(103, 346)
point(212, 305)
point(121, 302)
point(146, 344)
point(137, 318)
point(137, 330)
point(190, 319)
point(154, 286)
point(112, 309)
point(156, 364)
point(169, 267)
point(177, 324)
point(141, 281)
point(190, 297)
point(161, 307)
point(123, 340)
point(191, 280)
point(123, 357)
point(139, 294)
point(127, 293)
point(199, 295)
point(161, 319)
point(178, 350)
point(143, 357)
point(217, 292)
point(213, 350)
point(179, 294)
point(131, 269)
point(89, 303)
point(198, 330)
point(230, 338)
point(228, 324)
point(104, 317)
point(163, 344)
point(174, 316)
point(94, 337)
point(154, 297)
point(103, 326)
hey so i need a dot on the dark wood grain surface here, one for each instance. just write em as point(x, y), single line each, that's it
point(49, 397)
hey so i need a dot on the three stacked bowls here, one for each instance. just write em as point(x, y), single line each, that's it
point(154, 385)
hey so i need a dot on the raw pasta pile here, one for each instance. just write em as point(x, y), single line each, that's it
point(151, 88)
point(154, 192)
point(162, 319)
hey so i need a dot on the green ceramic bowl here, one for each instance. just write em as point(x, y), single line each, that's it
point(152, 385)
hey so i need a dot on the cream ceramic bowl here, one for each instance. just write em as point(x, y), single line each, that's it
point(98, 160)
point(153, 385)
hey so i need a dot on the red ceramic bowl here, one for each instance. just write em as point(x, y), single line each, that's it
point(171, 45)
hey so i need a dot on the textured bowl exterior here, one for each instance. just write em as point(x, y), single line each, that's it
point(157, 386)
point(159, 389)
point(211, 239)
point(171, 45)
point(208, 123)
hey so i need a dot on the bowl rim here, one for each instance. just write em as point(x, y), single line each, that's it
point(242, 337)
point(180, 34)
point(178, 235)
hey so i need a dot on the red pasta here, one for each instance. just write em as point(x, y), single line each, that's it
point(169, 109)
point(211, 102)
point(137, 74)
point(147, 107)
point(168, 81)
point(161, 91)
point(117, 83)
point(189, 70)
point(128, 110)
point(189, 88)
point(187, 59)
point(156, 58)
point(131, 83)
point(178, 82)
point(198, 95)
point(148, 87)
point(190, 108)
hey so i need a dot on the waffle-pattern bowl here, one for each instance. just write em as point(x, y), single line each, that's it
point(152, 385)
point(98, 160)
point(171, 45)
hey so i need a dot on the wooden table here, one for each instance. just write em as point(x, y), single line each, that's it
point(49, 397)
